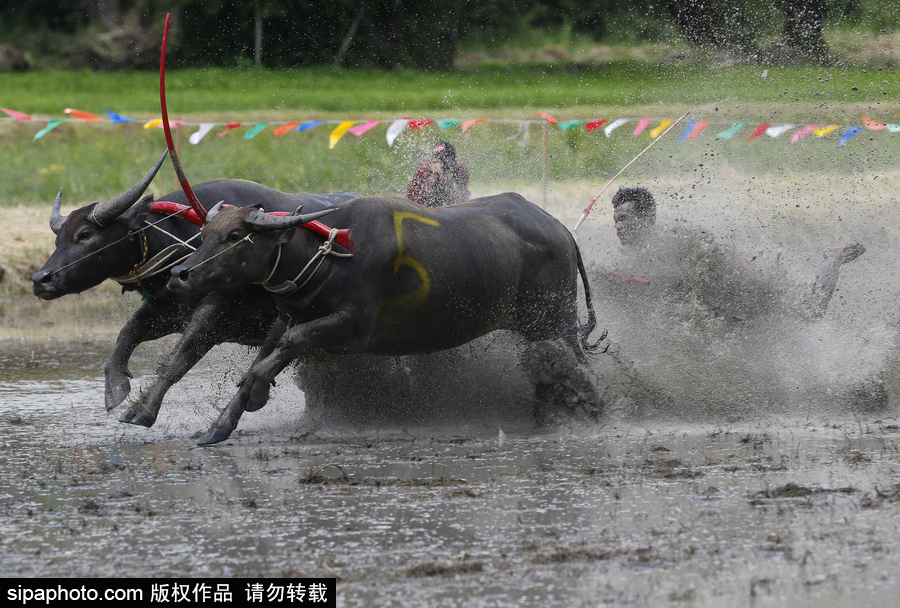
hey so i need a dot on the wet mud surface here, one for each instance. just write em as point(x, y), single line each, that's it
point(781, 511)
point(742, 457)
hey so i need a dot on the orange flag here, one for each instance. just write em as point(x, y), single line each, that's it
point(465, 126)
point(547, 117)
point(85, 116)
point(284, 128)
point(873, 125)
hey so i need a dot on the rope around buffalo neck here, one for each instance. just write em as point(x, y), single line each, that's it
point(290, 286)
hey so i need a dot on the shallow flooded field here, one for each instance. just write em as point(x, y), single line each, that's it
point(768, 511)
point(749, 460)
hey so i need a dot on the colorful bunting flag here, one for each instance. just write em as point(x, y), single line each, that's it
point(118, 118)
point(614, 125)
point(692, 128)
point(16, 115)
point(698, 129)
point(547, 117)
point(279, 131)
point(465, 126)
point(688, 128)
point(826, 130)
point(657, 131)
point(731, 131)
point(759, 131)
point(849, 134)
point(50, 126)
point(568, 124)
point(311, 124)
point(228, 129)
point(85, 116)
point(256, 130)
point(776, 131)
point(201, 132)
point(358, 130)
point(873, 125)
point(395, 130)
point(801, 133)
point(642, 124)
point(339, 132)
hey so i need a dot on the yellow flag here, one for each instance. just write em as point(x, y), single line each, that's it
point(339, 132)
point(826, 130)
point(660, 128)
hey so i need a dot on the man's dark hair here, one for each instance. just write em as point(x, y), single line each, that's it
point(640, 198)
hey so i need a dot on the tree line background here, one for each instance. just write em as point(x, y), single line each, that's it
point(112, 34)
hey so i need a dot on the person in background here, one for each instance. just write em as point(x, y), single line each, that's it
point(440, 180)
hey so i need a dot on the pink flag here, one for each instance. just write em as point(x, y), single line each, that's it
point(642, 124)
point(16, 115)
point(547, 117)
point(801, 133)
point(358, 130)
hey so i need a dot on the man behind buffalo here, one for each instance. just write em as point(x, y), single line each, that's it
point(688, 269)
point(440, 180)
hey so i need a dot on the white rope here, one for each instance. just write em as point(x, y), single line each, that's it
point(157, 264)
point(323, 250)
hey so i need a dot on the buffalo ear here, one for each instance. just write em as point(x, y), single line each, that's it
point(141, 210)
point(285, 236)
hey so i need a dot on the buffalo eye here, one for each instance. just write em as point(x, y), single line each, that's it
point(235, 236)
point(85, 235)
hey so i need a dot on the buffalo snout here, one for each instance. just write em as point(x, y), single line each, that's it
point(178, 280)
point(42, 285)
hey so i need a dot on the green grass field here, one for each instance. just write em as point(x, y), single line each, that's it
point(96, 160)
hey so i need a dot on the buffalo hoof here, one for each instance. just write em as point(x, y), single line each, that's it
point(214, 435)
point(116, 394)
point(138, 418)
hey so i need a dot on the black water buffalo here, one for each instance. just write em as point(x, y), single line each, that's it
point(105, 240)
point(420, 280)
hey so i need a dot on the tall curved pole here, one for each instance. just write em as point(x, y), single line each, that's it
point(176, 163)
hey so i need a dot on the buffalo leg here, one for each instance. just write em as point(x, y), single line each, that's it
point(217, 319)
point(153, 320)
point(333, 330)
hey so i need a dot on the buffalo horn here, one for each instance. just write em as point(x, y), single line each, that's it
point(106, 212)
point(264, 221)
point(212, 212)
point(57, 219)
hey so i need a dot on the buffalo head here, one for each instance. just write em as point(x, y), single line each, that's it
point(237, 249)
point(92, 242)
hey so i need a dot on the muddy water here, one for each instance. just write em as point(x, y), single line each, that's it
point(781, 511)
point(740, 462)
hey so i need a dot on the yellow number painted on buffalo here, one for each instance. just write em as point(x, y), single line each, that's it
point(410, 301)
